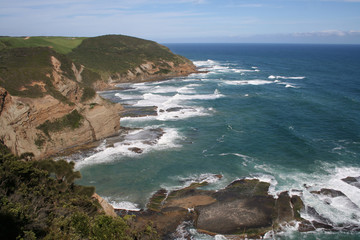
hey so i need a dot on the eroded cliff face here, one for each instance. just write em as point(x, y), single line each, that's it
point(147, 72)
point(150, 72)
point(20, 117)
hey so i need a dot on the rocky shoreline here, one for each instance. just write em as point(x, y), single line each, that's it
point(243, 209)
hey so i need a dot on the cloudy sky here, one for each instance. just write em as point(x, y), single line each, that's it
point(279, 21)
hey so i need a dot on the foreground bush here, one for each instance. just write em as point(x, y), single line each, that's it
point(39, 200)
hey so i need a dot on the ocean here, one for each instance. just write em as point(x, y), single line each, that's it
point(287, 114)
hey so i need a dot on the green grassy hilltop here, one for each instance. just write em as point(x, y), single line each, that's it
point(118, 53)
point(59, 44)
point(24, 60)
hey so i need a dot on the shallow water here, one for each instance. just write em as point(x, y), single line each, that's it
point(286, 114)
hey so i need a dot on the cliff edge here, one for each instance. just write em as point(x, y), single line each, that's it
point(48, 101)
point(45, 107)
point(123, 59)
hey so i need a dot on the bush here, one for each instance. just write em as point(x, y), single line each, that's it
point(71, 120)
point(39, 200)
point(88, 93)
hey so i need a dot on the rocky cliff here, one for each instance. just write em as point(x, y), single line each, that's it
point(51, 110)
point(122, 59)
point(47, 99)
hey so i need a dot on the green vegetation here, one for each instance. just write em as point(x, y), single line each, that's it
point(249, 187)
point(89, 77)
point(39, 200)
point(59, 44)
point(39, 141)
point(88, 94)
point(20, 68)
point(155, 203)
point(118, 54)
point(71, 120)
point(26, 68)
point(27, 72)
point(163, 71)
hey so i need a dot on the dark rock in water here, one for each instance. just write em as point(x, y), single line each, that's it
point(353, 181)
point(157, 199)
point(243, 188)
point(138, 111)
point(146, 136)
point(174, 109)
point(329, 192)
point(319, 219)
point(306, 226)
point(232, 217)
point(297, 206)
point(284, 208)
point(322, 225)
point(136, 150)
point(243, 208)
point(219, 176)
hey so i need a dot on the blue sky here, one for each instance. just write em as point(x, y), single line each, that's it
point(292, 21)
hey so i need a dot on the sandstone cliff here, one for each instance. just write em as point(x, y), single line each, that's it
point(122, 59)
point(47, 99)
point(57, 119)
point(149, 71)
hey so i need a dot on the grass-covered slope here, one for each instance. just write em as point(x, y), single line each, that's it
point(26, 59)
point(28, 72)
point(118, 53)
point(60, 44)
point(39, 200)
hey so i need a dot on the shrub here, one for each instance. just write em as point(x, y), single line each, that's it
point(88, 93)
point(71, 120)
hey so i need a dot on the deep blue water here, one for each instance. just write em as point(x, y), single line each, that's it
point(287, 114)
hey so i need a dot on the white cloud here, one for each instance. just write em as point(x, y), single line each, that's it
point(327, 33)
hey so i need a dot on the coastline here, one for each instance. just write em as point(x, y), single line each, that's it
point(110, 87)
point(321, 189)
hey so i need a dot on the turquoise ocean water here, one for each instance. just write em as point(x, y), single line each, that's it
point(286, 114)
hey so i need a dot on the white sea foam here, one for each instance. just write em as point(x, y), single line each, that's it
point(287, 85)
point(174, 107)
point(245, 70)
point(144, 140)
point(287, 229)
point(128, 96)
point(150, 99)
point(284, 77)
point(271, 77)
point(163, 115)
point(195, 178)
point(186, 90)
point(246, 159)
point(217, 67)
point(339, 210)
point(126, 205)
point(163, 89)
point(247, 82)
point(209, 62)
